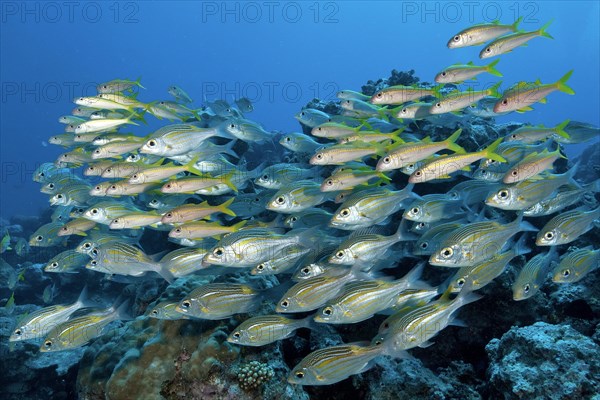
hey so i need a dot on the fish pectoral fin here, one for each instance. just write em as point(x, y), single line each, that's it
point(426, 344)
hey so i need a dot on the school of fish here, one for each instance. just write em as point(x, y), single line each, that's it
point(334, 215)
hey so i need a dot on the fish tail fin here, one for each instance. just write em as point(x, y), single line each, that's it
point(493, 91)
point(122, 312)
point(83, 300)
point(436, 90)
point(524, 226)
point(491, 149)
point(138, 83)
point(163, 271)
point(190, 167)
point(542, 31)
point(403, 233)
point(384, 177)
point(521, 247)
point(413, 276)
point(490, 68)
point(239, 225)
point(226, 179)
point(224, 208)
point(515, 25)
point(562, 83)
point(560, 129)
point(451, 142)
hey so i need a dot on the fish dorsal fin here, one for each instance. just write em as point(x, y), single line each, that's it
point(470, 63)
point(373, 230)
point(426, 139)
point(530, 157)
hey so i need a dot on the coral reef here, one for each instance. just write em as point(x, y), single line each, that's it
point(544, 361)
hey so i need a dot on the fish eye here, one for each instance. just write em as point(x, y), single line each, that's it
point(231, 126)
point(135, 176)
point(404, 111)
point(438, 105)
point(186, 304)
point(421, 225)
point(152, 143)
point(51, 186)
point(95, 210)
point(265, 177)
point(108, 170)
point(169, 215)
point(154, 312)
point(236, 335)
point(305, 270)
point(59, 196)
point(87, 245)
point(514, 173)
point(218, 251)
point(64, 229)
point(339, 254)
point(418, 173)
point(328, 311)
point(329, 182)
point(415, 210)
point(54, 265)
point(285, 304)
point(97, 151)
point(566, 273)
point(39, 238)
point(178, 230)
point(504, 102)
point(447, 252)
point(104, 86)
point(345, 212)
point(526, 288)
point(293, 219)
point(460, 282)
point(18, 332)
point(387, 160)
point(456, 38)
point(303, 113)
point(113, 187)
point(93, 263)
point(256, 199)
point(154, 201)
point(319, 156)
point(94, 251)
point(299, 374)
point(288, 139)
point(503, 194)
point(260, 267)
point(97, 188)
point(488, 50)
point(549, 235)
point(280, 200)
point(443, 73)
point(115, 221)
point(168, 186)
point(379, 95)
point(424, 245)
point(48, 343)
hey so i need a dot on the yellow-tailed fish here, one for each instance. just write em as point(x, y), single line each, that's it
point(521, 96)
point(532, 134)
point(341, 153)
point(456, 100)
point(297, 197)
point(118, 85)
point(78, 226)
point(458, 73)
point(402, 94)
point(191, 212)
point(136, 220)
point(482, 33)
point(532, 165)
point(413, 152)
point(445, 165)
point(179, 94)
point(202, 229)
point(299, 143)
point(509, 42)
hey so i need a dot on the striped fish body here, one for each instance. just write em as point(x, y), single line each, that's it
point(576, 265)
point(219, 301)
point(567, 227)
point(264, 329)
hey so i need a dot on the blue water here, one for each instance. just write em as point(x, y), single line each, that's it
point(280, 54)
